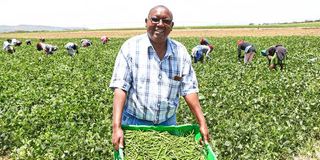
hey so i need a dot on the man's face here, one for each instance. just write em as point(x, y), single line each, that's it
point(159, 24)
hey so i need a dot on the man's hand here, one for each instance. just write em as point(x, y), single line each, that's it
point(117, 138)
point(205, 134)
point(272, 66)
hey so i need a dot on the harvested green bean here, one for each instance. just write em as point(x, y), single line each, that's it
point(148, 145)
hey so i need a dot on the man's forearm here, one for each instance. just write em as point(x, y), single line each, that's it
point(118, 105)
point(194, 105)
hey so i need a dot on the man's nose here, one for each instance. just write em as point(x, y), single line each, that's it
point(161, 23)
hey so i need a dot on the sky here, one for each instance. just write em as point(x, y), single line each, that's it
point(99, 14)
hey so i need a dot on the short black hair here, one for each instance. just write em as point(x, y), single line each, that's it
point(271, 51)
point(39, 47)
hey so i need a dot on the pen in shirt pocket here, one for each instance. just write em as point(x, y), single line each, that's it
point(177, 78)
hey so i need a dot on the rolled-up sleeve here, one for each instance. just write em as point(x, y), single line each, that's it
point(121, 76)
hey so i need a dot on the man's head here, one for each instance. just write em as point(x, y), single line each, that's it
point(28, 42)
point(271, 51)
point(75, 47)
point(240, 41)
point(159, 23)
point(39, 47)
point(204, 41)
point(104, 39)
point(42, 39)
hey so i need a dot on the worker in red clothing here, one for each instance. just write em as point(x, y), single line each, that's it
point(104, 39)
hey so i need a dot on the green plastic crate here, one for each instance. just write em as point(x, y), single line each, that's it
point(178, 130)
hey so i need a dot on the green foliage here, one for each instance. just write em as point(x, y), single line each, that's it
point(60, 107)
point(255, 113)
point(56, 106)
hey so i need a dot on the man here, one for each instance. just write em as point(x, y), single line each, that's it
point(47, 48)
point(104, 39)
point(72, 48)
point(8, 47)
point(86, 43)
point(150, 73)
point(28, 42)
point(249, 51)
point(199, 51)
point(276, 56)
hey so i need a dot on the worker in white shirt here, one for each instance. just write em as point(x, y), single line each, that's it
point(199, 53)
point(72, 48)
point(8, 47)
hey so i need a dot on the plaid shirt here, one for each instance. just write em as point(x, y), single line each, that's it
point(153, 86)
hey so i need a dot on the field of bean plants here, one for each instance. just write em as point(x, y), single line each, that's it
point(60, 107)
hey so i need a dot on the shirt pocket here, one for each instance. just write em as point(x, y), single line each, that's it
point(173, 89)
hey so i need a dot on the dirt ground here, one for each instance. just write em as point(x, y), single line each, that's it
point(257, 32)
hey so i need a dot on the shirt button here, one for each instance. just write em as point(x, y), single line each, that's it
point(160, 76)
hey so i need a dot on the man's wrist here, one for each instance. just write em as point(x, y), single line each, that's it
point(202, 122)
point(116, 125)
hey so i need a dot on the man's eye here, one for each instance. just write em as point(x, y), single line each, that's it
point(167, 21)
point(155, 20)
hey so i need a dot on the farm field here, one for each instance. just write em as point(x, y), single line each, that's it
point(181, 32)
point(59, 107)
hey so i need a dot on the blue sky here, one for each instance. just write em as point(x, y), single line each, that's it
point(97, 14)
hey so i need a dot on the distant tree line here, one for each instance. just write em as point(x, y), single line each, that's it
point(306, 21)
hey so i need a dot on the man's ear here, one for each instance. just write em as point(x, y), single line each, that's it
point(146, 20)
point(172, 24)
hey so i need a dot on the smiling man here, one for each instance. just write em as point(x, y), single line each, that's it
point(151, 71)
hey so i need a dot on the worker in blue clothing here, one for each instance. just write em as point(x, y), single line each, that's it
point(249, 51)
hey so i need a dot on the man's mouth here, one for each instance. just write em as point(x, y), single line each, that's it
point(158, 31)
